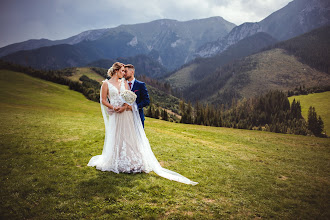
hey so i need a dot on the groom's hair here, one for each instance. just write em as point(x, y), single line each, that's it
point(130, 66)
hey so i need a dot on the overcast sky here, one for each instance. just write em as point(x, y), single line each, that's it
point(58, 19)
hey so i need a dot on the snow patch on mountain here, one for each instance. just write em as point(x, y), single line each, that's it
point(86, 35)
point(133, 42)
point(160, 60)
point(149, 47)
point(176, 43)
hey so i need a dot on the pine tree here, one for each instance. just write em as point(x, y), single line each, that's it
point(182, 107)
point(320, 126)
point(295, 110)
point(315, 125)
point(189, 114)
point(164, 115)
point(157, 113)
point(149, 111)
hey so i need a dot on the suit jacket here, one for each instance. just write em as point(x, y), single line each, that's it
point(142, 99)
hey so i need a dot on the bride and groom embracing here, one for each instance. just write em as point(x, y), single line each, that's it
point(126, 148)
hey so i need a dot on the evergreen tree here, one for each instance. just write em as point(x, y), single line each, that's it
point(320, 125)
point(315, 124)
point(164, 115)
point(149, 111)
point(182, 107)
point(157, 113)
point(189, 118)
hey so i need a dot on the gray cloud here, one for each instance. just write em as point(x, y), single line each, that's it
point(58, 19)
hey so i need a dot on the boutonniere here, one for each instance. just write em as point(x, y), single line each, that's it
point(136, 90)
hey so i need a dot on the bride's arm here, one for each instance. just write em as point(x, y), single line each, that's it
point(104, 95)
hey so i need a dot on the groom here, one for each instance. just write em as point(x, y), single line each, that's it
point(139, 88)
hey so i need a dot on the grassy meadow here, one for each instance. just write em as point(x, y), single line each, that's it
point(86, 71)
point(321, 102)
point(49, 133)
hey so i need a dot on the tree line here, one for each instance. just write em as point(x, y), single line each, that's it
point(302, 90)
point(270, 112)
point(157, 112)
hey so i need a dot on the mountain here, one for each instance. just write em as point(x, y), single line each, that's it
point(280, 67)
point(172, 43)
point(312, 48)
point(144, 65)
point(298, 17)
point(200, 68)
point(64, 55)
point(175, 41)
point(35, 44)
point(53, 57)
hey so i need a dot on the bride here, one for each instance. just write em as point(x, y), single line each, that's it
point(126, 148)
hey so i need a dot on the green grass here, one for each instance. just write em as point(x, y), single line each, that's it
point(88, 72)
point(49, 133)
point(321, 102)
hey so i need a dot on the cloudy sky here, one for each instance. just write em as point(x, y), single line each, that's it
point(58, 19)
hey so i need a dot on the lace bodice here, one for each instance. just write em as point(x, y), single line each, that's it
point(114, 94)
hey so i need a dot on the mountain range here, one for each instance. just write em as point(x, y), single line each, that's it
point(169, 42)
point(298, 17)
point(282, 66)
point(35, 44)
point(209, 60)
point(200, 68)
point(172, 43)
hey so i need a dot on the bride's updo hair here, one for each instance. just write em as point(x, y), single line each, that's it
point(115, 67)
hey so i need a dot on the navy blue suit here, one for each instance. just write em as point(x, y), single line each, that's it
point(142, 99)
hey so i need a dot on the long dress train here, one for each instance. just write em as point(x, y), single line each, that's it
point(126, 147)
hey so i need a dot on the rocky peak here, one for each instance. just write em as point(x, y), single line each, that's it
point(298, 17)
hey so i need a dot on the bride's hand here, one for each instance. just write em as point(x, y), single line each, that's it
point(129, 108)
point(120, 109)
point(110, 111)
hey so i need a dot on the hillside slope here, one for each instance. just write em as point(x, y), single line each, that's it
point(273, 68)
point(257, 74)
point(312, 48)
point(200, 68)
point(49, 133)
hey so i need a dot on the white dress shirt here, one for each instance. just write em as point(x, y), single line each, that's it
point(132, 83)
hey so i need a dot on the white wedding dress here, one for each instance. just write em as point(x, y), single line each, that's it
point(126, 148)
